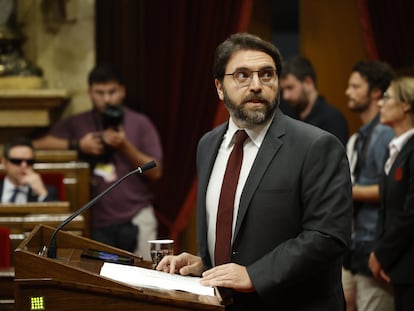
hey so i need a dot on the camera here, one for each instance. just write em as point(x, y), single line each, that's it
point(112, 116)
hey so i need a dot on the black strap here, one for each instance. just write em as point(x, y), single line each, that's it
point(361, 146)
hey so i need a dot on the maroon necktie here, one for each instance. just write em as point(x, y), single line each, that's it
point(226, 202)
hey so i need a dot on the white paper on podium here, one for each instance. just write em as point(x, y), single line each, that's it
point(137, 276)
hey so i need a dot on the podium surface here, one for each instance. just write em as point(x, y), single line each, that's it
point(71, 282)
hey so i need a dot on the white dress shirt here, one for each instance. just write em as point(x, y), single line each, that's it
point(395, 146)
point(8, 189)
point(250, 149)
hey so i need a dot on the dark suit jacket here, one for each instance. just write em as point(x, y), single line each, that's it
point(52, 194)
point(294, 219)
point(395, 246)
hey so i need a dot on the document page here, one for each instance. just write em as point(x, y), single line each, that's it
point(137, 276)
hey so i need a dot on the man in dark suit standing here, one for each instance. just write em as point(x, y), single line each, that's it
point(291, 221)
point(21, 183)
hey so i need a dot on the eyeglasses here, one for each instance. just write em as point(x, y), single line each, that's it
point(244, 77)
point(19, 162)
point(386, 96)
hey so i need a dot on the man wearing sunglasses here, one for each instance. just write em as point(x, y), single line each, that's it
point(21, 183)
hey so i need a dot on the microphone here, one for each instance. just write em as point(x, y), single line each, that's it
point(51, 252)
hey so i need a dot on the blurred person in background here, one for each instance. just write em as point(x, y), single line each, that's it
point(367, 151)
point(22, 183)
point(393, 255)
point(298, 84)
point(114, 140)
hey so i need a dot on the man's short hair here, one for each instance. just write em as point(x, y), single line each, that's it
point(17, 142)
point(104, 73)
point(378, 74)
point(243, 41)
point(300, 67)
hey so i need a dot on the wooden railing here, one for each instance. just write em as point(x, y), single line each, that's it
point(21, 219)
point(76, 180)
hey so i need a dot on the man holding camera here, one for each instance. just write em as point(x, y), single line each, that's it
point(114, 140)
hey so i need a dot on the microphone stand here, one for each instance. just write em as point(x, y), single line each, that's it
point(52, 250)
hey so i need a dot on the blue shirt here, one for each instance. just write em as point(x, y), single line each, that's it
point(372, 157)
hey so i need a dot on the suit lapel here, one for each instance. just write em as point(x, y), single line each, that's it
point(210, 156)
point(268, 150)
point(31, 197)
point(396, 170)
point(1, 188)
point(209, 153)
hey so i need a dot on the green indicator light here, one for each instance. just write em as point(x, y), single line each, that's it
point(37, 303)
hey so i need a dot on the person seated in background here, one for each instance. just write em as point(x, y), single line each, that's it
point(298, 84)
point(21, 183)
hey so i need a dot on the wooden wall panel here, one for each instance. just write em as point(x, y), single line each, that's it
point(331, 37)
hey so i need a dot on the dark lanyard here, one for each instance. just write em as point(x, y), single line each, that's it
point(362, 152)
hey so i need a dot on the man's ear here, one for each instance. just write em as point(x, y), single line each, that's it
point(219, 89)
point(406, 107)
point(376, 93)
point(308, 80)
point(122, 91)
point(308, 83)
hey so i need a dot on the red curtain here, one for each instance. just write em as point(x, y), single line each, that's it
point(4, 247)
point(165, 50)
point(388, 30)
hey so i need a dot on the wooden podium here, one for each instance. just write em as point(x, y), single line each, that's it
point(21, 219)
point(71, 282)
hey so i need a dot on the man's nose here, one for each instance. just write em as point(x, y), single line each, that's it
point(106, 97)
point(347, 91)
point(255, 82)
point(380, 102)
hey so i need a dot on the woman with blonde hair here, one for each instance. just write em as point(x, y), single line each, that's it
point(393, 256)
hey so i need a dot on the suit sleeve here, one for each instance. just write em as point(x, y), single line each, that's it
point(52, 194)
point(326, 198)
point(400, 235)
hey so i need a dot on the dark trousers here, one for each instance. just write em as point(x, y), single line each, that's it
point(123, 236)
point(404, 297)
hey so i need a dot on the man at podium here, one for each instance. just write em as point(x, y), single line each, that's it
point(21, 183)
point(272, 229)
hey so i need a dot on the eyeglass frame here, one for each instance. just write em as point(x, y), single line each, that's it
point(385, 96)
point(18, 162)
point(249, 79)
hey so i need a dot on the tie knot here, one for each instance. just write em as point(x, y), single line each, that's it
point(241, 136)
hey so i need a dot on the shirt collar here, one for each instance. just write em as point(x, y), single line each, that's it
point(256, 135)
point(8, 186)
point(399, 142)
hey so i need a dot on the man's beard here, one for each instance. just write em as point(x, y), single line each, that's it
point(359, 107)
point(246, 116)
point(302, 102)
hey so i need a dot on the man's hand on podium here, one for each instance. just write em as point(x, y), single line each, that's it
point(184, 264)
